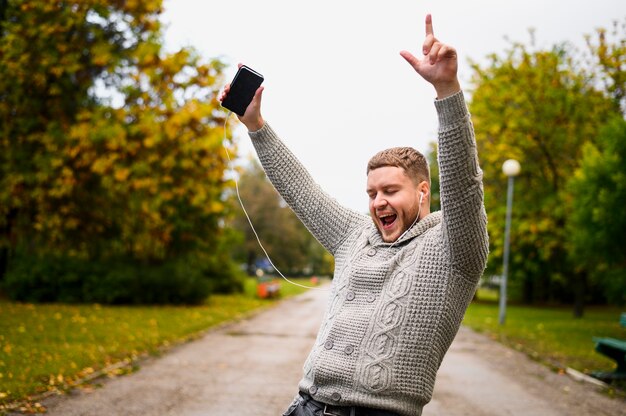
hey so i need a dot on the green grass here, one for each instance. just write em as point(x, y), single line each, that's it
point(286, 289)
point(52, 346)
point(549, 334)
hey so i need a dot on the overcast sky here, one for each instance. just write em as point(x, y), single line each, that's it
point(337, 90)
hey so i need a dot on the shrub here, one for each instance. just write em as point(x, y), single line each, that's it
point(54, 278)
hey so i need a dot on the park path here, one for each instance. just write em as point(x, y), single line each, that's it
point(252, 367)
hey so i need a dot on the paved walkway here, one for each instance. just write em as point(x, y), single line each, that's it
point(253, 367)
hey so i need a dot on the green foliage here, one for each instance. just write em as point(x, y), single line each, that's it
point(433, 164)
point(597, 224)
point(537, 108)
point(608, 51)
point(51, 278)
point(109, 148)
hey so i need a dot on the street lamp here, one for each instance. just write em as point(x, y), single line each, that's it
point(511, 168)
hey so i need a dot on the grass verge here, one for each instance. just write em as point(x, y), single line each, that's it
point(52, 347)
point(549, 334)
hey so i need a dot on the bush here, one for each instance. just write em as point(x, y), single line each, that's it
point(614, 282)
point(50, 278)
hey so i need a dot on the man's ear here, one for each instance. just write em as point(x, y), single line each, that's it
point(424, 188)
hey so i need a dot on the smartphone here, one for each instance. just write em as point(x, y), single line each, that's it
point(242, 90)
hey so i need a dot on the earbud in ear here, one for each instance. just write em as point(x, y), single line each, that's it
point(421, 197)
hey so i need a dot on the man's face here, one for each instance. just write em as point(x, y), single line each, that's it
point(394, 201)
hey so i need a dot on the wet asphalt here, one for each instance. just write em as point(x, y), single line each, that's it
point(252, 367)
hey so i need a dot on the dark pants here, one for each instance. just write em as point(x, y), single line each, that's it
point(305, 405)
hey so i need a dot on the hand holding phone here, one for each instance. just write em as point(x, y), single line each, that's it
point(242, 90)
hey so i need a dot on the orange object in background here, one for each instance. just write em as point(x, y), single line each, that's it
point(268, 289)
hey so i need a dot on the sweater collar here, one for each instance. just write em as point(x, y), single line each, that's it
point(418, 229)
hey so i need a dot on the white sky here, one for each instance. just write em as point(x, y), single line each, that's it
point(336, 89)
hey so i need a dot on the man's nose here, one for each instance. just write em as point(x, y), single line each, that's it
point(379, 201)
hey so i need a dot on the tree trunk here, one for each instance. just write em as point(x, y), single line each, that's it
point(580, 283)
point(250, 263)
point(7, 233)
point(528, 291)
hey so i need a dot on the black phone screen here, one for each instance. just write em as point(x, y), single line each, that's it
point(242, 90)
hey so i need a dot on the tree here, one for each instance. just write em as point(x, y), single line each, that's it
point(535, 107)
point(289, 244)
point(108, 146)
point(608, 51)
point(433, 165)
point(597, 225)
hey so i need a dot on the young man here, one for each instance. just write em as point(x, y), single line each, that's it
point(403, 276)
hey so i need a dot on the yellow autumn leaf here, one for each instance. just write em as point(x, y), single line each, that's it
point(148, 141)
point(122, 174)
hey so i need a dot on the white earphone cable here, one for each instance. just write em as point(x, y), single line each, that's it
point(248, 217)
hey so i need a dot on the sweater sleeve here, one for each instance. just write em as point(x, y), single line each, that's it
point(328, 221)
point(461, 188)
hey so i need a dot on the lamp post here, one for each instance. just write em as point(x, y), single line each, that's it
point(511, 168)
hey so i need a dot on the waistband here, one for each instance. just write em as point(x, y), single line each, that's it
point(329, 410)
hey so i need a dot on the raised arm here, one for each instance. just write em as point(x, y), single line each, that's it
point(461, 190)
point(325, 218)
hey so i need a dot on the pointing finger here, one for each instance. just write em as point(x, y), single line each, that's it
point(429, 25)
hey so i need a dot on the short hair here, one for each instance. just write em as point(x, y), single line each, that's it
point(413, 162)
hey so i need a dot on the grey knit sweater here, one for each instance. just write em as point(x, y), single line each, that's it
point(393, 310)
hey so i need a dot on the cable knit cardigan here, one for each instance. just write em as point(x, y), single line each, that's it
point(393, 311)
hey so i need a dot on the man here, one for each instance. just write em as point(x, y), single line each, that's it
point(403, 276)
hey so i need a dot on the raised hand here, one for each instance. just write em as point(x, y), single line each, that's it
point(439, 64)
point(252, 118)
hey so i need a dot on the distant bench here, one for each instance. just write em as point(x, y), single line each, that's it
point(616, 350)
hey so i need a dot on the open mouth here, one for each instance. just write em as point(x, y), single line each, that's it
point(387, 220)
